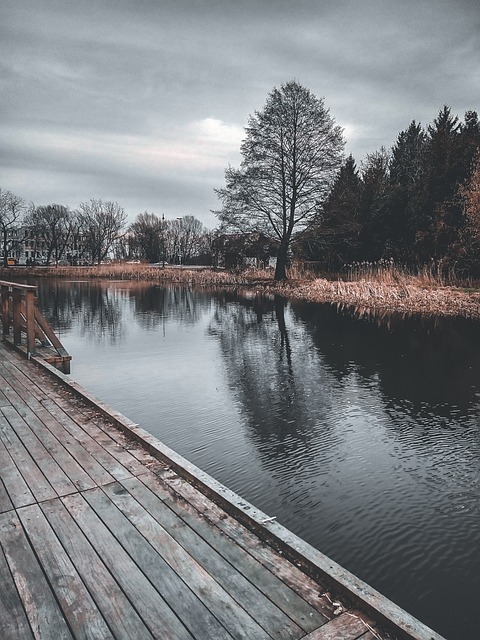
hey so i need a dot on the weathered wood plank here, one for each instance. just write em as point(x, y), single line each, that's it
point(37, 482)
point(84, 619)
point(4, 402)
point(128, 452)
point(176, 593)
point(73, 443)
point(14, 483)
point(234, 618)
point(93, 423)
point(306, 616)
point(5, 502)
point(243, 589)
point(119, 613)
point(43, 613)
point(153, 609)
point(21, 381)
point(309, 589)
point(49, 466)
point(104, 457)
point(111, 439)
point(13, 621)
point(78, 476)
point(351, 625)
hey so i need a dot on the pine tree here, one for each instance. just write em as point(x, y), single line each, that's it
point(406, 170)
point(435, 216)
point(373, 209)
point(334, 239)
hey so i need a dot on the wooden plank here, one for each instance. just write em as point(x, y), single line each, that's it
point(104, 457)
point(351, 625)
point(119, 613)
point(13, 621)
point(4, 402)
point(37, 482)
point(17, 315)
point(245, 591)
point(43, 613)
point(93, 423)
point(5, 502)
point(234, 618)
point(176, 593)
point(111, 439)
point(292, 604)
point(80, 478)
point(69, 427)
point(309, 589)
point(30, 321)
point(12, 479)
point(50, 468)
point(5, 291)
point(156, 614)
point(23, 382)
point(131, 454)
point(47, 329)
point(83, 616)
point(73, 443)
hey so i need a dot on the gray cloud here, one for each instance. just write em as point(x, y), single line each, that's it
point(143, 102)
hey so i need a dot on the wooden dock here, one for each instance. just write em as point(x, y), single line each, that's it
point(107, 533)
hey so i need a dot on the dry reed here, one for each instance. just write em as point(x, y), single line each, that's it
point(378, 286)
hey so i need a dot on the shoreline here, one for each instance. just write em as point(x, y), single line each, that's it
point(392, 294)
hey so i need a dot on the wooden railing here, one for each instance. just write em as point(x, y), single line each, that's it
point(31, 332)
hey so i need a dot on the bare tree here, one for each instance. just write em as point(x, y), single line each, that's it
point(191, 232)
point(12, 208)
point(51, 225)
point(148, 236)
point(291, 154)
point(101, 225)
point(183, 238)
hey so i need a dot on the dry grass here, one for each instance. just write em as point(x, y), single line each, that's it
point(379, 286)
point(390, 273)
point(405, 297)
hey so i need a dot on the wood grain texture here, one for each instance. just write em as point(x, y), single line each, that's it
point(84, 618)
point(41, 608)
point(233, 617)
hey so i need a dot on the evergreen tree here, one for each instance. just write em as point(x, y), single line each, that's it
point(435, 217)
point(406, 169)
point(334, 238)
point(373, 208)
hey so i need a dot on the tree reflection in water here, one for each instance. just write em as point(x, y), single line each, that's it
point(91, 306)
point(283, 393)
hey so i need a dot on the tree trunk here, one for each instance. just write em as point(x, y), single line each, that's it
point(280, 269)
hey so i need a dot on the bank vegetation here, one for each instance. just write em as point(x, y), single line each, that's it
point(376, 287)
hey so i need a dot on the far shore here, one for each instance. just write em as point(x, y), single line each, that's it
point(386, 291)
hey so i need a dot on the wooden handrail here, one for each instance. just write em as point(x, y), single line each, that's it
point(19, 311)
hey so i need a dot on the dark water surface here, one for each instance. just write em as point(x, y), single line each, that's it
point(362, 435)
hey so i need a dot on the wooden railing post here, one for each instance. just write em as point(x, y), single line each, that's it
point(17, 315)
point(5, 310)
point(20, 303)
point(30, 321)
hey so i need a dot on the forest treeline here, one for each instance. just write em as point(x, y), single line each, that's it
point(415, 203)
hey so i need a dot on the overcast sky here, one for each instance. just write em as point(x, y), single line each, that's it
point(144, 101)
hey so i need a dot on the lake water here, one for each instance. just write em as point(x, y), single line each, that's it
point(361, 434)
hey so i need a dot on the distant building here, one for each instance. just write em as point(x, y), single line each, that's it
point(238, 250)
point(28, 249)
